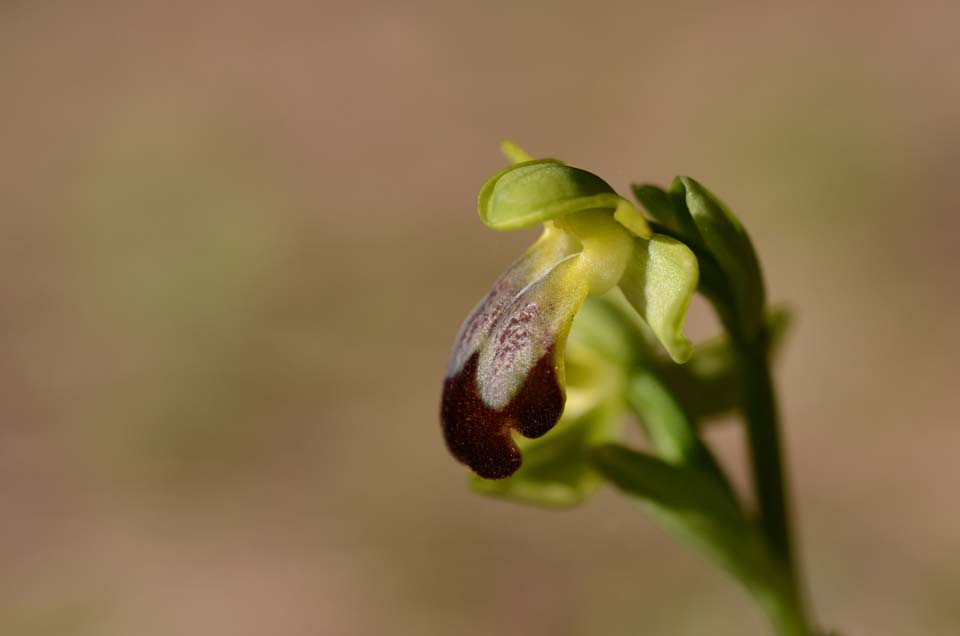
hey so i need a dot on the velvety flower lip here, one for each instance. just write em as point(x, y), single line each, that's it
point(479, 435)
point(506, 369)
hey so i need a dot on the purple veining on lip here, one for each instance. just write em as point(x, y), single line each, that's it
point(544, 255)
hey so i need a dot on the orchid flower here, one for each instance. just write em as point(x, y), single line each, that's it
point(506, 374)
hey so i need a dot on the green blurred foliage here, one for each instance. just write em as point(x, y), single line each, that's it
point(175, 262)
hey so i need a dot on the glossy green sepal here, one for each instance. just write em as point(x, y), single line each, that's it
point(532, 192)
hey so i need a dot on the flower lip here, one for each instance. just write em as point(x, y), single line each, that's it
point(506, 371)
point(479, 436)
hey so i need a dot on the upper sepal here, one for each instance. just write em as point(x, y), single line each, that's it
point(532, 192)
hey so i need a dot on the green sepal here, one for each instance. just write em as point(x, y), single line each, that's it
point(708, 385)
point(691, 503)
point(532, 192)
point(609, 326)
point(730, 272)
point(726, 240)
point(659, 204)
point(672, 433)
point(601, 350)
point(659, 283)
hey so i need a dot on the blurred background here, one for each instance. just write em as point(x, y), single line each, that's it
point(237, 240)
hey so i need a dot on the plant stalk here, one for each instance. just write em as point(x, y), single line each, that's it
point(769, 479)
point(766, 456)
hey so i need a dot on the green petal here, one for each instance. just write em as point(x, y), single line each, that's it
point(532, 192)
point(513, 152)
point(659, 282)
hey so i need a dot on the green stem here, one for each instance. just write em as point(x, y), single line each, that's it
point(782, 599)
point(769, 478)
point(673, 436)
point(785, 610)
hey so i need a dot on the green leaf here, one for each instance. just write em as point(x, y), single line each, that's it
point(532, 192)
point(659, 283)
point(728, 243)
point(708, 385)
point(691, 503)
point(679, 488)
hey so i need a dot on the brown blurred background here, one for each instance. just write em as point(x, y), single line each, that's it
point(237, 240)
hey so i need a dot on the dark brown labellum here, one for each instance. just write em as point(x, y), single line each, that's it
point(479, 436)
